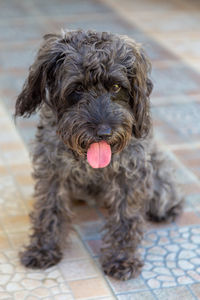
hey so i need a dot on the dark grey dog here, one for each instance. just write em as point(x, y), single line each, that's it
point(94, 141)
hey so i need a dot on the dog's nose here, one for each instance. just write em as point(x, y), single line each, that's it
point(104, 131)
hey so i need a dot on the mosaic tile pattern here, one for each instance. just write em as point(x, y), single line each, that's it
point(170, 251)
point(21, 283)
point(173, 257)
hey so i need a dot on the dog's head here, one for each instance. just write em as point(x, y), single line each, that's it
point(97, 85)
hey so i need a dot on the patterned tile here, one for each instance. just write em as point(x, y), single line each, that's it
point(4, 242)
point(196, 289)
point(137, 296)
point(174, 293)
point(15, 279)
point(133, 285)
point(171, 257)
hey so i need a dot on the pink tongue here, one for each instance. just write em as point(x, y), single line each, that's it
point(99, 155)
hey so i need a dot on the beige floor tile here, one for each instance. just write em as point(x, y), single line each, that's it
point(13, 207)
point(16, 156)
point(4, 242)
point(27, 192)
point(10, 198)
point(3, 171)
point(15, 223)
point(5, 125)
point(74, 249)
point(10, 146)
point(9, 136)
point(89, 288)
point(78, 269)
point(1, 229)
point(25, 179)
point(188, 218)
point(29, 201)
point(18, 239)
point(24, 168)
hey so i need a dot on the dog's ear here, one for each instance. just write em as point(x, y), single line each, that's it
point(141, 88)
point(34, 89)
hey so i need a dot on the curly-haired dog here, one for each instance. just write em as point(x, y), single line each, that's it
point(94, 141)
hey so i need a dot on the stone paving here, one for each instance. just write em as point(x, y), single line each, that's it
point(169, 31)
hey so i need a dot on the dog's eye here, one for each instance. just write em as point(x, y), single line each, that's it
point(79, 88)
point(116, 88)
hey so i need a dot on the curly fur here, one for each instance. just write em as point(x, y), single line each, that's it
point(71, 82)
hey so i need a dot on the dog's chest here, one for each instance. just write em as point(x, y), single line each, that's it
point(84, 182)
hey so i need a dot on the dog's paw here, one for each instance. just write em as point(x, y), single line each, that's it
point(36, 258)
point(169, 216)
point(122, 269)
point(174, 212)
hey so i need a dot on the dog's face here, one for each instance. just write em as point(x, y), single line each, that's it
point(96, 84)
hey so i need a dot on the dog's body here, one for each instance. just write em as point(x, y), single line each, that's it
point(94, 90)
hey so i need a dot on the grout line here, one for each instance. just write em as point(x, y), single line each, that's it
point(145, 280)
point(155, 296)
point(191, 292)
point(100, 271)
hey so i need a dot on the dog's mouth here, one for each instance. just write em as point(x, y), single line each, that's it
point(99, 154)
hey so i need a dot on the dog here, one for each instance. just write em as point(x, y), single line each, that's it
point(94, 140)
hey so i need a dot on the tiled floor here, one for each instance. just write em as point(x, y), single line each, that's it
point(169, 31)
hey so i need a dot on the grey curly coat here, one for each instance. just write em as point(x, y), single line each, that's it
point(92, 87)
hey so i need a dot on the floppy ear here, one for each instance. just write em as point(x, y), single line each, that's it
point(34, 89)
point(141, 88)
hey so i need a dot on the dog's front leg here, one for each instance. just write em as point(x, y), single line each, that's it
point(124, 231)
point(50, 219)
